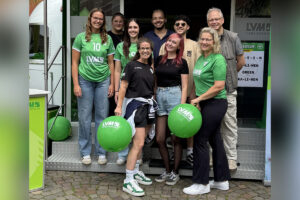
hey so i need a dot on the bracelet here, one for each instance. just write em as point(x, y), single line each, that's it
point(116, 91)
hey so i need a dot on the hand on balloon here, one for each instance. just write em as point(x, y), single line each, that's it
point(118, 111)
point(77, 91)
point(195, 102)
point(110, 91)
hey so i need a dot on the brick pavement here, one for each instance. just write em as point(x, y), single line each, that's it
point(62, 185)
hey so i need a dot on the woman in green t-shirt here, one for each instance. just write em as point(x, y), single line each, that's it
point(125, 51)
point(92, 73)
point(210, 97)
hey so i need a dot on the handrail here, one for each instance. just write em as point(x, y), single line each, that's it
point(55, 119)
point(53, 59)
point(55, 88)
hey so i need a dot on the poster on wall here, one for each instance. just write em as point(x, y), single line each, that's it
point(251, 75)
point(36, 142)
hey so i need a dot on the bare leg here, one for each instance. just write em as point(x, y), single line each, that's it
point(161, 140)
point(136, 149)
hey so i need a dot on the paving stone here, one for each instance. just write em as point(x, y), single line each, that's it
point(125, 196)
point(89, 185)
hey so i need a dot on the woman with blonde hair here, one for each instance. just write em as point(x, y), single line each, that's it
point(93, 80)
point(210, 97)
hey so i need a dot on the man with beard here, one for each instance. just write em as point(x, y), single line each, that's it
point(160, 33)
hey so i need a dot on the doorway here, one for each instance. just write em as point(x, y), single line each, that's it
point(142, 10)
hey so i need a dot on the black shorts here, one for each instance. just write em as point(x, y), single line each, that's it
point(141, 118)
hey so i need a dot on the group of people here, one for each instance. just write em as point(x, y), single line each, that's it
point(148, 76)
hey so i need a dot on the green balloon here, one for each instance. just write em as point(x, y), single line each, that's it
point(114, 134)
point(184, 120)
point(61, 128)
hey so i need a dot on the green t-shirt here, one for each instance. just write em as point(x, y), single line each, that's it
point(207, 71)
point(119, 55)
point(93, 56)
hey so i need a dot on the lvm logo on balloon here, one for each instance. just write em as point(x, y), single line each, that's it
point(111, 124)
point(185, 113)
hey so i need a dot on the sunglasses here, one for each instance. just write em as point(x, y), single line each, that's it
point(182, 24)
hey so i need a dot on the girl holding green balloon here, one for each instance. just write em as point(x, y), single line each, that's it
point(172, 73)
point(209, 96)
point(137, 86)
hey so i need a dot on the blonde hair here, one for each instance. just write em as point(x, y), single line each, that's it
point(88, 27)
point(215, 36)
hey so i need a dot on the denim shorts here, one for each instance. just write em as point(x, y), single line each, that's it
point(167, 98)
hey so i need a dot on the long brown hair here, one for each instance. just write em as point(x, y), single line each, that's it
point(88, 27)
point(127, 42)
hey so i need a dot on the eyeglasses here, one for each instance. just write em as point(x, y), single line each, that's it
point(145, 48)
point(215, 19)
point(182, 24)
point(98, 19)
point(205, 39)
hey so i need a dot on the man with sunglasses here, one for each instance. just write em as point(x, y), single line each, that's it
point(232, 50)
point(191, 53)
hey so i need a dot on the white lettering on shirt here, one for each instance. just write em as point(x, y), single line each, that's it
point(197, 72)
point(132, 54)
point(94, 60)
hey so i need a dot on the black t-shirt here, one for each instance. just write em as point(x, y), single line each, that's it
point(169, 74)
point(116, 38)
point(140, 80)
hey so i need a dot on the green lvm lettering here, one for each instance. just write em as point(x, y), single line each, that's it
point(34, 104)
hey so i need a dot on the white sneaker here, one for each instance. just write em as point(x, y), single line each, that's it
point(120, 161)
point(133, 188)
point(221, 185)
point(141, 178)
point(102, 160)
point(86, 160)
point(196, 189)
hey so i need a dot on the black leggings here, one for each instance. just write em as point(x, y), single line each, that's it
point(213, 111)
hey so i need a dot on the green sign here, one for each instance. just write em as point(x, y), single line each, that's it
point(36, 141)
point(253, 46)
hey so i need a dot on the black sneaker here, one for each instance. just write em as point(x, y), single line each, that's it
point(172, 179)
